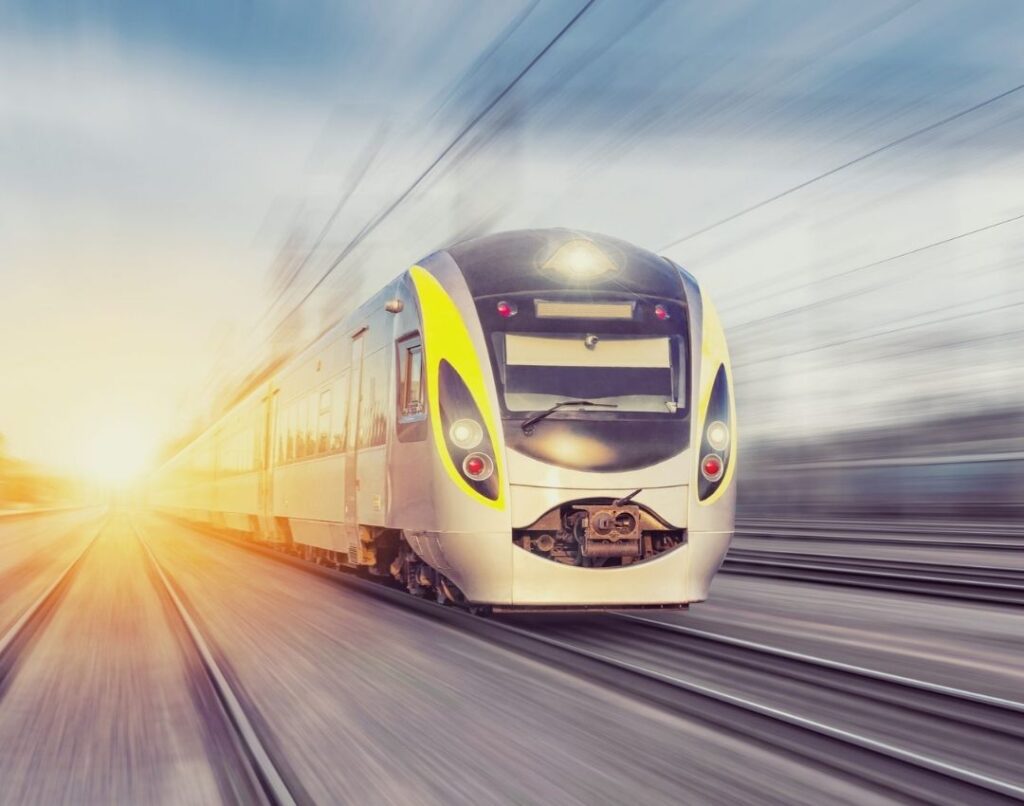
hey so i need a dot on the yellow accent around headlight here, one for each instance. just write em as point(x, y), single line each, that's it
point(445, 337)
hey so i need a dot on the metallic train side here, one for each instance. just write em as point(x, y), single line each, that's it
point(344, 471)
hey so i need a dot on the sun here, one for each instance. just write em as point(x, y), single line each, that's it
point(117, 453)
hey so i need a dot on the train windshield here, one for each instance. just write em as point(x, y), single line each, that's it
point(633, 374)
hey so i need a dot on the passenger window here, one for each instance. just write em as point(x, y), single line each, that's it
point(323, 428)
point(303, 425)
point(311, 409)
point(256, 448)
point(339, 416)
point(410, 392)
point(282, 436)
point(293, 429)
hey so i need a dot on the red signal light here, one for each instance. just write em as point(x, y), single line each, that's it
point(711, 467)
point(660, 312)
point(506, 309)
point(478, 466)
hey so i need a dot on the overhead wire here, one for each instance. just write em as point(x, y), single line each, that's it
point(848, 164)
point(381, 216)
point(865, 266)
point(938, 320)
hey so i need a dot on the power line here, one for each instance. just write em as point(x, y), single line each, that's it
point(362, 165)
point(355, 178)
point(871, 265)
point(874, 152)
point(878, 358)
point(944, 318)
point(486, 54)
point(374, 222)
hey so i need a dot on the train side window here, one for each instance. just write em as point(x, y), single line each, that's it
point(411, 390)
point(323, 428)
point(301, 426)
point(311, 424)
point(339, 416)
point(282, 435)
point(258, 447)
point(292, 427)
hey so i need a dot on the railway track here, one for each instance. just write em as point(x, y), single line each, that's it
point(878, 762)
point(20, 634)
point(990, 712)
point(238, 753)
point(261, 778)
point(943, 525)
point(974, 583)
point(997, 537)
point(934, 542)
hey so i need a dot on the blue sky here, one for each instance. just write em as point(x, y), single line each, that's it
point(155, 158)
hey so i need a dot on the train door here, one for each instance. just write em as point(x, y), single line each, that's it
point(351, 448)
point(268, 410)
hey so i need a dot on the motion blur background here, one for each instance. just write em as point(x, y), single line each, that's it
point(190, 192)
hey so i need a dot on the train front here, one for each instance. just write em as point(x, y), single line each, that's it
point(612, 386)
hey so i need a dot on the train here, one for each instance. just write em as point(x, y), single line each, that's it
point(530, 420)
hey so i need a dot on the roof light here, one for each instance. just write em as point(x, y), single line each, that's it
point(579, 260)
point(661, 312)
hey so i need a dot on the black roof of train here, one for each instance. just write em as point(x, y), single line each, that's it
point(519, 261)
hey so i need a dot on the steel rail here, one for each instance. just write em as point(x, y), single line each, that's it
point(16, 514)
point(22, 630)
point(987, 701)
point(971, 574)
point(1010, 543)
point(825, 572)
point(920, 760)
point(262, 768)
point(1000, 528)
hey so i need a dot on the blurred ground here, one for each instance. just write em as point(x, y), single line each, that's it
point(99, 708)
point(372, 703)
point(360, 700)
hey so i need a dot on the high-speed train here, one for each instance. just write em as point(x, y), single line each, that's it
point(540, 419)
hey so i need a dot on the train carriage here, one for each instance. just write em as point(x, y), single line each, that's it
point(528, 420)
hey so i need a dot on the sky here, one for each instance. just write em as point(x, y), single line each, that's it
point(164, 168)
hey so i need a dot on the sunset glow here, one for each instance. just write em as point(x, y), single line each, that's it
point(116, 453)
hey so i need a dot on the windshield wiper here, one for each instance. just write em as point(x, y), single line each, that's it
point(530, 422)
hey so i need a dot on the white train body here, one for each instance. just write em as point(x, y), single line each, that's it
point(400, 441)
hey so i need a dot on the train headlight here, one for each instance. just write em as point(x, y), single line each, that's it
point(718, 435)
point(716, 448)
point(469, 445)
point(478, 466)
point(466, 433)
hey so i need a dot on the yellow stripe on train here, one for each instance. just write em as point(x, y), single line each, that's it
point(445, 337)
